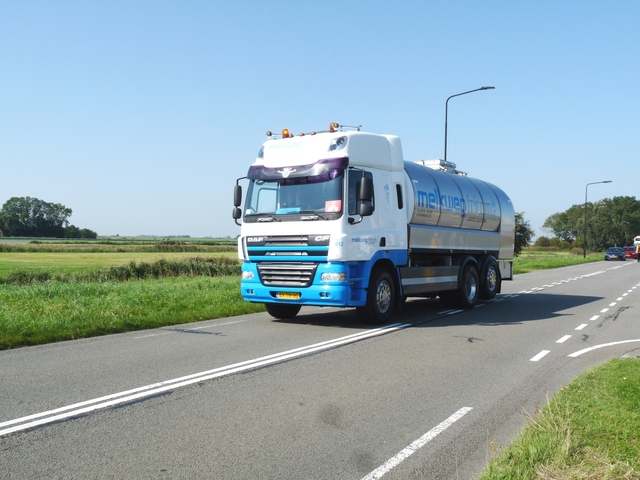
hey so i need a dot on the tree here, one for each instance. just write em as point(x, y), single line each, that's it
point(524, 234)
point(71, 231)
point(86, 233)
point(609, 222)
point(32, 217)
point(74, 232)
point(560, 225)
point(542, 242)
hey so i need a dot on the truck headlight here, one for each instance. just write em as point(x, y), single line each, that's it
point(333, 277)
point(248, 276)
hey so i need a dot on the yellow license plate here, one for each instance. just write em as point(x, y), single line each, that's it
point(289, 295)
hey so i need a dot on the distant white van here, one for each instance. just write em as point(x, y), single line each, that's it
point(636, 241)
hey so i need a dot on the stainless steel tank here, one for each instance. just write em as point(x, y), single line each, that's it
point(482, 212)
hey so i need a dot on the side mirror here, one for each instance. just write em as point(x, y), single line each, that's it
point(237, 201)
point(366, 197)
point(366, 209)
point(237, 196)
point(366, 190)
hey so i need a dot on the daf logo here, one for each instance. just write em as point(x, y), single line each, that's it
point(255, 239)
point(322, 238)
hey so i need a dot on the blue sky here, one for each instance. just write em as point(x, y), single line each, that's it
point(139, 115)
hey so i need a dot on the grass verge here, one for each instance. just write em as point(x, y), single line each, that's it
point(51, 311)
point(530, 260)
point(590, 430)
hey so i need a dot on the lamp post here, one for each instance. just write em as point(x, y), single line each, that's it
point(584, 247)
point(446, 113)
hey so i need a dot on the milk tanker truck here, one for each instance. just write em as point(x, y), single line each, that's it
point(338, 218)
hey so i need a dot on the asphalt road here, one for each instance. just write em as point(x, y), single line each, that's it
point(320, 397)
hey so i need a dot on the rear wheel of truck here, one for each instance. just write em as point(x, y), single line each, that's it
point(281, 310)
point(380, 299)
point(468, 291)
point(489, 280)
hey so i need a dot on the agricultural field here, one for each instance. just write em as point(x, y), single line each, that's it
point(60, 257)
point(69, 261)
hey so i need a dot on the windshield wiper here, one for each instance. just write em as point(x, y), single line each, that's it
point(268, 215)
point(311, 212)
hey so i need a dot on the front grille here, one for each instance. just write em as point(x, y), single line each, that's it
point(297, 247)
point(287, 274)
point(288, 241)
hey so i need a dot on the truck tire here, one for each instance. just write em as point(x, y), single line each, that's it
point(468, 289)
point(282, 310)
point(489, 280)
point(380, 299)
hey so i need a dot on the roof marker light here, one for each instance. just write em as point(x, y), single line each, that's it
point(333, 127)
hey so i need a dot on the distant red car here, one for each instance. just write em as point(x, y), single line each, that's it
point(630, 252)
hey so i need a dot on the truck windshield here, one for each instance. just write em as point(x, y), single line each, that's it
point(305, 189)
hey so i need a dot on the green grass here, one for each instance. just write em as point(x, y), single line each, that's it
point(530, 259)
point(589, 431)
point(52, 311)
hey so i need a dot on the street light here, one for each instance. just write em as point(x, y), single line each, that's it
point(584, 247)
point(446, 113)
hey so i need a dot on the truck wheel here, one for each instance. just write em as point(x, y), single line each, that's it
point(282, 310)
point(380, 299)
point(468, 290)
point(489, 280)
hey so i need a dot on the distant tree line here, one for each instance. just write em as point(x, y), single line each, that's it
point(609, 223)
point(32, 217)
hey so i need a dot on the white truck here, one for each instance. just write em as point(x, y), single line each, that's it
point(338, 218)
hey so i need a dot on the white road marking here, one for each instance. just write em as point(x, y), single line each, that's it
point(595, 317)
point(540, 355)
point(580, 327)
point(585, 350)
point(415, 446)
point(563, 339)
point(76, 409)
point(604, 310)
